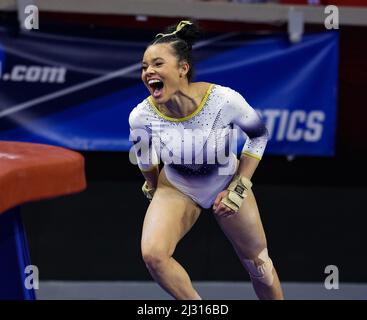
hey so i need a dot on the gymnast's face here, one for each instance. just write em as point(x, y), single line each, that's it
point(162, 73)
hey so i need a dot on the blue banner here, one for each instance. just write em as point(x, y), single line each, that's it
point(78, 92)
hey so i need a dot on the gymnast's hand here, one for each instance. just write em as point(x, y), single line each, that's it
point(229, 201)
point(148, 192)
point(219, 208)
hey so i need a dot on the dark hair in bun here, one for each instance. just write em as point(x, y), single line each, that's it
point(182, 37)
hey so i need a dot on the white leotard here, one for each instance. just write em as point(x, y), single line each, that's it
point(197, 150)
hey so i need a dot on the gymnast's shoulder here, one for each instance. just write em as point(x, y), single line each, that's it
point(139, 113)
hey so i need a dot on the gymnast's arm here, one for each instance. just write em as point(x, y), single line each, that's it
point(151, 176)
point(249, 122)
point(145, 155)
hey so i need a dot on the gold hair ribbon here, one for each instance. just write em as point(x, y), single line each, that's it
point(179, 27)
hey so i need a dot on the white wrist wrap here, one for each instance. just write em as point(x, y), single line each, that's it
point(148, 192)
point(238, 189)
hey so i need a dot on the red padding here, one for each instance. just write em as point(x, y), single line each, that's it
point(30, 171)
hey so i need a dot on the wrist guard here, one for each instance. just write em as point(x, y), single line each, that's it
point(238, 190)
point(148, 192)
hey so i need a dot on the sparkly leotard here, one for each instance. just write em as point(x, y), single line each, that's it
point(197, 150)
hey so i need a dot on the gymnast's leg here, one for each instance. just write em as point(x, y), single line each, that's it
point(245, 231)
point(170, 215)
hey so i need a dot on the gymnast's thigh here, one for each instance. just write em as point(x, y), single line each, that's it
point(170, 215)
point(244, 229)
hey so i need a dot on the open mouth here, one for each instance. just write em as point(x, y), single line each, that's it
point(157, 87)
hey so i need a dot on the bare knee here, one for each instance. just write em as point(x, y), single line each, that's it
point(260, 267)
point(154, 257)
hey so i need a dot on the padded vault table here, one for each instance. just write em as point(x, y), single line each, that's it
point(29, 172)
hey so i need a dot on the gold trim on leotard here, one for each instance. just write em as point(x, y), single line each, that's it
point(251, 155)
point(184, 118)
